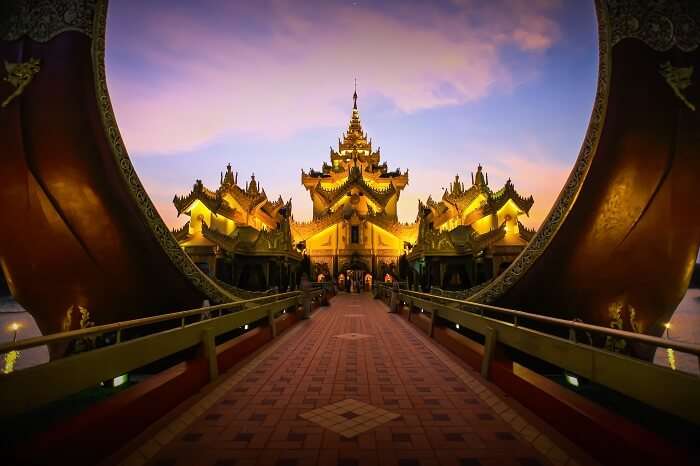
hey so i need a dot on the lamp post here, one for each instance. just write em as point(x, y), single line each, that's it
point(668, 330)
point(14, 327)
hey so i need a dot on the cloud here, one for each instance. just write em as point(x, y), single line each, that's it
point(182, 78)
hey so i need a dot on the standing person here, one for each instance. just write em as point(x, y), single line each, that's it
point(306, 295)
point(394, 303)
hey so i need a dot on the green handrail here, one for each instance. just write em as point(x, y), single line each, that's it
point(118, 326)
point(681, 346)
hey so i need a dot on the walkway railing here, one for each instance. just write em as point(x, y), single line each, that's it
point(666, 389)
point(132, 345)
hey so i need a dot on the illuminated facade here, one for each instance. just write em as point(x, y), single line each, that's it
point(466, 238)
point(354, 224)
point(237, 235)
point(470, 235)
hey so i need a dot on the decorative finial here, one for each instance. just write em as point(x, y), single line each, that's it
point(354, 97)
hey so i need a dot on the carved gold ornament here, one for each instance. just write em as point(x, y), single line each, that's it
point(20, 75)
point(679, 80)
point(42, 20)
point(661, 24)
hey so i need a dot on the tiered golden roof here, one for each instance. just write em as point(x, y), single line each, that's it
point(355, 169)
point(472, 218)
point(233, 218)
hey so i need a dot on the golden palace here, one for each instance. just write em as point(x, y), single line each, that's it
point(466, 238)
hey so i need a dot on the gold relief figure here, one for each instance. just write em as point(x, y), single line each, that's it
point(671, 357)
point(615, 313)
point(80, 344)
point(679, 80)
point(20, 75)
point(67, 320)
point(11, 359)
point(635, 325)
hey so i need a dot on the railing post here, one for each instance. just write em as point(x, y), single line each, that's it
point(491, 338)
point(432, 322)
point(271, 322)
point(209, 352)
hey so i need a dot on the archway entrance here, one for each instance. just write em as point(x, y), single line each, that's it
point(355, 272)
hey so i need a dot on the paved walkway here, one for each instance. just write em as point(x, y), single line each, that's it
point(353, 386)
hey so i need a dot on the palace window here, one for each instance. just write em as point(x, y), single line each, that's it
point(355, 234)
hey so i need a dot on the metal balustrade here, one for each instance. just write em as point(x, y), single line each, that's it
point(663, 388)
point(26, 389)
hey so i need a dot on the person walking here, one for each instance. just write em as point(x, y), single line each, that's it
point(306, 295)
point(394, 303)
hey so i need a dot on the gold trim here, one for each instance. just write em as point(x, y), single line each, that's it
point(567, 197)
point(163, 235)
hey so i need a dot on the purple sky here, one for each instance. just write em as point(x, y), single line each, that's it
point(267, 86)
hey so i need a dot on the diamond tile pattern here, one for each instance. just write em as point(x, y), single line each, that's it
point(353, 336)
point(349, 417)
point(335, 390)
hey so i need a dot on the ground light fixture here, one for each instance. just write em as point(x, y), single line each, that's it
point(572, 380)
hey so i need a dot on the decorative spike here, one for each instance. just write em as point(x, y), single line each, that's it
point(354, 96)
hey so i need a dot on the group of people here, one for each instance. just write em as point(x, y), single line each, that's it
point(353, 281)
point(353, 284)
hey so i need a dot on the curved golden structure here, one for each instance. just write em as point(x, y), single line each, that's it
point(79, 228)
point(617, 248)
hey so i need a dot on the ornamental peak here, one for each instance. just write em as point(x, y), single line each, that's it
point(354, 97)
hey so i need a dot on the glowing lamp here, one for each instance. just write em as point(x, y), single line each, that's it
point(667, 325)
point(121, 380)
point(14, 326)
point(571, 380)
point(457, 326)
point(245, 327)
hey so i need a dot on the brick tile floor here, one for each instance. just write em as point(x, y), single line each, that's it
point(352, 386)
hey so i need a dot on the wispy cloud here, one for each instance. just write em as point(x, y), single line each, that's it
point(180, 78)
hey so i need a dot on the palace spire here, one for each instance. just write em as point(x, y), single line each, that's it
point(354, 97)
point(355, 132)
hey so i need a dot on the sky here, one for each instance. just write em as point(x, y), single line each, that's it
point(267, 86)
